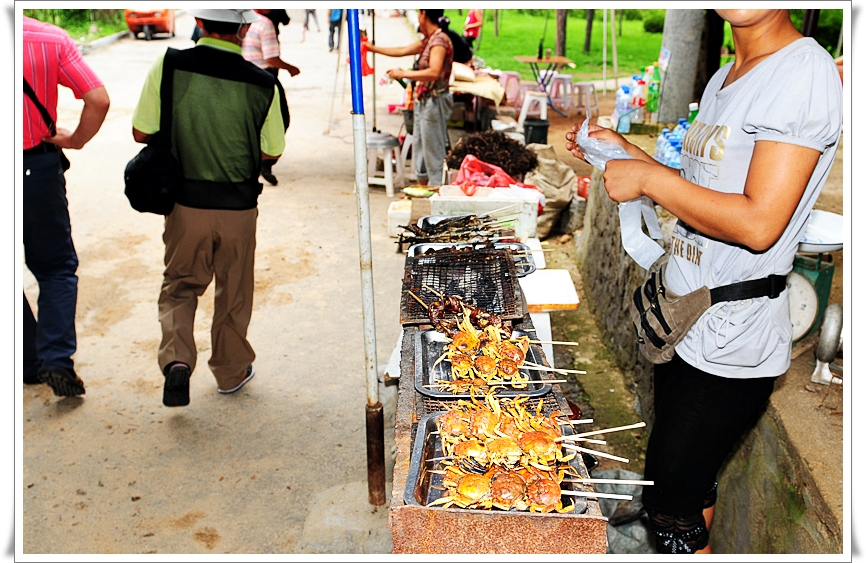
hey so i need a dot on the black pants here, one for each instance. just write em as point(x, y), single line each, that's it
point(50, 255)
point(699, 419)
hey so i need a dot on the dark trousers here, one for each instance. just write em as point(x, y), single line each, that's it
point(50, 255)
point(333, 26)
point(31, 360)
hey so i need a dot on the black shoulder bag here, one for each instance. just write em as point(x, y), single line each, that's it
point(64, 162)
point(153, 176)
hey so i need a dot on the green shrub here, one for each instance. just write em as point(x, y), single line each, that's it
point(654, 21)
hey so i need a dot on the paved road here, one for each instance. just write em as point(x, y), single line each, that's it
point(277, 468)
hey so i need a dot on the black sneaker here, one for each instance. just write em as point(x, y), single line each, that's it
point(269, 176)
point(62, 381)
point(176, 390)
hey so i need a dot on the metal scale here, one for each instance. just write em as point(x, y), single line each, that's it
point(809, 285)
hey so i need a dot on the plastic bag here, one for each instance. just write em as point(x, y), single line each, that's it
point(640, 247)
point(598, 152)
point(474, 173)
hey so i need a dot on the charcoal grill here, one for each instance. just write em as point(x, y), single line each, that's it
point(486, 278)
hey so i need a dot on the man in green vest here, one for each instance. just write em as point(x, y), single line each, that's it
point(225, 120)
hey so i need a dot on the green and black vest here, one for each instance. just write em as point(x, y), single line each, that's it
point(219, 105)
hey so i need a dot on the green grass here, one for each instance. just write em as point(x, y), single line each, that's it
point(519, 34)
point(83, 26)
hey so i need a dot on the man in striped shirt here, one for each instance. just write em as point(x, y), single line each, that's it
point(50, 57)
point(261, 46)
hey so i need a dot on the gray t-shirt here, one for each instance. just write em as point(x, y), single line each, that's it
point(793, 96)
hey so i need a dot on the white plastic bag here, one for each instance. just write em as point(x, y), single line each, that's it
point(640, 247)
point(598, 152)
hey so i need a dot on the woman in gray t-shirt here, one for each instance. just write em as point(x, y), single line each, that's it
point(753, 164)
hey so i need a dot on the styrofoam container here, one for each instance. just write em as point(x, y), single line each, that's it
point(524, 206)
point(825, 232)
point(399, 213)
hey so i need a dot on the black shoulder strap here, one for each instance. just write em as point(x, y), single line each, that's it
point(166, 89)
point(45, 115)
point(771, 286)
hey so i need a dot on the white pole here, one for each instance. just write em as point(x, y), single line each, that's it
point(604, 50)
point(613, 46)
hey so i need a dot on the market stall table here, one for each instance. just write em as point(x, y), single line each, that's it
point(484, 86)
point(543, 79)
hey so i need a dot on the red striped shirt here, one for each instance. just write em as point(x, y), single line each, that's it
point(50, 58)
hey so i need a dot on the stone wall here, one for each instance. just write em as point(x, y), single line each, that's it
point(610, 277)
point(768, 501)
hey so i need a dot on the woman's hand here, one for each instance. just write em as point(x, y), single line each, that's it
point(596, 132)
point(396, 73)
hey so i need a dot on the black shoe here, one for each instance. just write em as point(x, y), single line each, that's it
point(269, 176)
point(62, 381)
point(176, 390)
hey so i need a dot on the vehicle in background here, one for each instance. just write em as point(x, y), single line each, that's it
point(150, 22)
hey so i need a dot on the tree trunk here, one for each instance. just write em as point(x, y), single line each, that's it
point(561, 19)
point(682, 33)
point(590, 14)
point(495, 23)
point(810, 23)
point(710, 57)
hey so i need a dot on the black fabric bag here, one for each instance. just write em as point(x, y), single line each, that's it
point(662, 318)
point(153, 176)
point(64, 162)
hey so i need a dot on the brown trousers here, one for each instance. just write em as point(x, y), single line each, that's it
point(200, 245)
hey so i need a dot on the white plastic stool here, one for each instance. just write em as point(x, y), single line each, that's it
point(530, 97)
point(390, 145)
point(586, 97)
point(561, 90)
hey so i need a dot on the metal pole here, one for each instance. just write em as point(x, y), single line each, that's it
point(375, 416)
point(334, 93)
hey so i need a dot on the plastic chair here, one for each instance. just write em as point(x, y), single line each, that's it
point(392, 161)
point(510, 82)
point(587, 97)
point(533, 101)
point(562, 91)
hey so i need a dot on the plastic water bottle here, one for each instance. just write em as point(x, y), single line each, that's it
point(679, 131)
point(654, 86)
point(693, 111)
point(623, 109)
point(661, 144)
point(638, 100)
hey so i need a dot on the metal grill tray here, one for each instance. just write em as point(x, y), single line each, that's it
point(430, 344)
point(423, 487)
point(524, 262)
point(487, 278)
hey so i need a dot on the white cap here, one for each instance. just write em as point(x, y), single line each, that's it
point(693, 106)
point(230, 16)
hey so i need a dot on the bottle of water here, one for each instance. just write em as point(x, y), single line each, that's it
point(623, 109)
point(693, 111)
point(679, 131)
point(638, 101)
point(661, 144)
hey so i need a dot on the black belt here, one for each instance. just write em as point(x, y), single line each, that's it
point(41, 148)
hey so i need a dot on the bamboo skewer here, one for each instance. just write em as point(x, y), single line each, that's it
point(576, 421)
point(610, 481)
point(418, 299)
point(594, 452)
point(533, 365)
point(497, 382)
point(606, 430)
point(595, 495)
point(564, 343)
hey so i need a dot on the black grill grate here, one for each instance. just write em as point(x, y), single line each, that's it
point(486, 278)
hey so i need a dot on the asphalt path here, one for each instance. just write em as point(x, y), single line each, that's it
point(279, 467)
